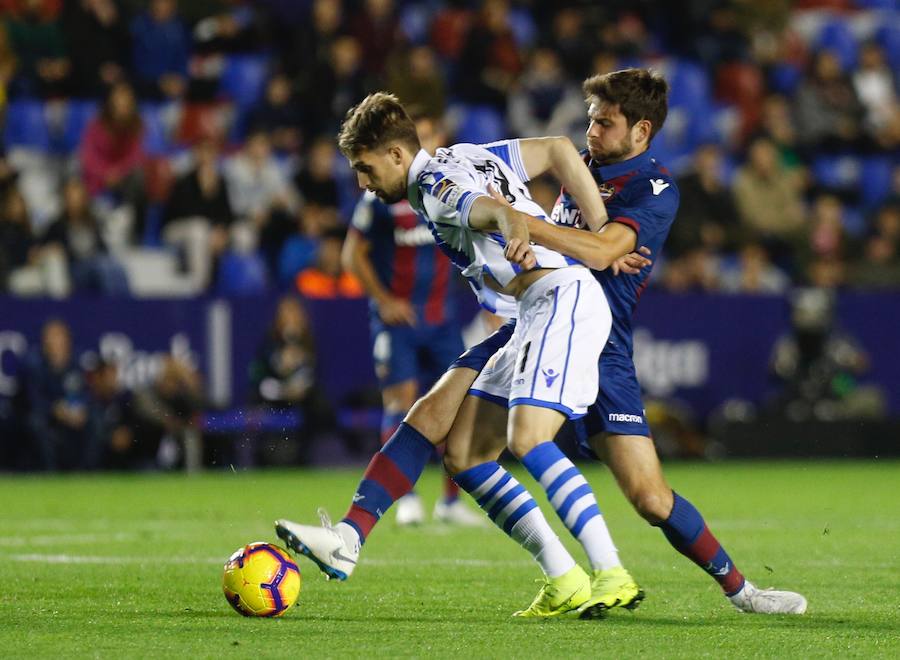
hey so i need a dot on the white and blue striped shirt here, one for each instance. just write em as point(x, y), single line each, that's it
point(443, 189)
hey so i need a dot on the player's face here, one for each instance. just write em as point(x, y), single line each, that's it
point(609, 139)
point(381, 172)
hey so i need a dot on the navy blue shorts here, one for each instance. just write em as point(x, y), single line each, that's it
point(619, 408)
point(421, 353)
point(477, 356)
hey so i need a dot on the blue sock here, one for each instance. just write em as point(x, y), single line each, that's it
point(574, 502)
point(391, 474)
point(514, 511)
point(686, 530)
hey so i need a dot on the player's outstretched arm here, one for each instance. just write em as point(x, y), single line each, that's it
point(488, 214)
point(559, 156)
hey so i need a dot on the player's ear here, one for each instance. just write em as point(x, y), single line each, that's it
point(642, 131)
point(396, 153)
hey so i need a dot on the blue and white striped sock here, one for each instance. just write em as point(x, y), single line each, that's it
point(574, 502)
point(513, 510)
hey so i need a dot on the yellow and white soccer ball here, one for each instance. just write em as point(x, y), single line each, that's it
point(261, 579)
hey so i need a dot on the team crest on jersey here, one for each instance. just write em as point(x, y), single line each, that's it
point(607, 190)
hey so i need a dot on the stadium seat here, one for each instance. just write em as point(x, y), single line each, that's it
point(156, 140)
point(480, 124)
point(79, 113)
point(241, 275)
point(244, 78)
point(875, 180)
point(784, 78)
point(888, 35)
point(26, 126)
point(837, 37)
point(837, 172)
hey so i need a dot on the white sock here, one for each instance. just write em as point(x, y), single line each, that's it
point(598, 544)
point(534, 533)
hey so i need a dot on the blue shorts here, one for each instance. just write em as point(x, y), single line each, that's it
point(477, 356)
point(419, 353)
point(619, 408)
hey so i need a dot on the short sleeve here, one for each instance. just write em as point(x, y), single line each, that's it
point(510, 152)
point(448, 198)
point(650, 208)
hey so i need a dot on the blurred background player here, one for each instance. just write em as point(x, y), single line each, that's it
point(415, 332)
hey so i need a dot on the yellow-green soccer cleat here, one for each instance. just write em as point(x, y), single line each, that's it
point(560, 595)
point(611, 588)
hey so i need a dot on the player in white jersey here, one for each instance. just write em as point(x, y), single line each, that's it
point(548, 371)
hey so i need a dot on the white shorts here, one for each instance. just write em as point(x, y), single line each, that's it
point(551, 360)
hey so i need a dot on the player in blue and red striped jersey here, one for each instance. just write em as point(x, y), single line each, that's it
point(414, 330)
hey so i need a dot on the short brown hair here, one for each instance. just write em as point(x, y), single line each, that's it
point(639, 93)
point(375, 122)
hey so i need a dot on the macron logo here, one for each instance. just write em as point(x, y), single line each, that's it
point(658, 185)
point(624, 417)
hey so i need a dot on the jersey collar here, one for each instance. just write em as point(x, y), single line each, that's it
point(623, 167)
point(415, 169)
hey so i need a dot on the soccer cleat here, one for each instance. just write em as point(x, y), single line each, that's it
point(457, 513)
point(611, 588)
point(410, 510)
point(334, 550)
point(767, 601)
point(560, 595)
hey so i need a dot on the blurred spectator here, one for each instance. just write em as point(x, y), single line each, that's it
point(327, 278)
point(283, 376)
point(311, 45)
point(569, 38)
point(198, 214)
point(827, 237)
point(26, 268)
point(769, 203)
point(92, 268)
point(876, 87)
point(707, 215)
point(829, 114)
point(754, 273)
point(374, 27)
point(335, 86)
point(819, 366)
point(316, 180)
point(112, 153)
point(697, 270)
point(544, 101)
point(778, 125)
point(280, 115)
point(879, 265)
point(261, 194)
point(97, 32)
point(160, 50)
point(165, 411)
point(415, 76)
point(299, 251)
point(43, 66)
point(490, 60)
point(8, 66)
point(57, 398)
point(111, 421)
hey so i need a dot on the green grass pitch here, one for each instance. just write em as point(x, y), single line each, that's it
point(130, 566)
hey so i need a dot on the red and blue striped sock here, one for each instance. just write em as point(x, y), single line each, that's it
point(687, 532)
point(391, 474)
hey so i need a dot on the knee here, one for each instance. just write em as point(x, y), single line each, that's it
point(426, 417)
point(454, 464)
point(520, 444)
point(653, 505)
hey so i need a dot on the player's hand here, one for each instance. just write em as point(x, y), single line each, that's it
point(497, 196)
point(519, 252)
point(632, 263)
point(395, 311)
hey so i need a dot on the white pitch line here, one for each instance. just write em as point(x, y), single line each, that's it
point(165, 559)
point(65, 539)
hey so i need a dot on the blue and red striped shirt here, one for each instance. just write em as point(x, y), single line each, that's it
point(405, 257)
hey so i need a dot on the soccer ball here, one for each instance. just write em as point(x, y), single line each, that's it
point(261, 579)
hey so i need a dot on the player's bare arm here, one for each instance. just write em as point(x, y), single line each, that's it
point(559, 157)
point(598, 250)
point(488, 214)
point(355, 259)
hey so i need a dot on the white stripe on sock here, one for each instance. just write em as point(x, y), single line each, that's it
point(509, 485)
point(534, 533)
point(598, 545)
point(577, 507)
point(510, 508)
point(560, 496)
point(488, 483)
point(549, 475)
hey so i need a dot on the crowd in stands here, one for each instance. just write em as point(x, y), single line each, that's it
point(203, 132)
